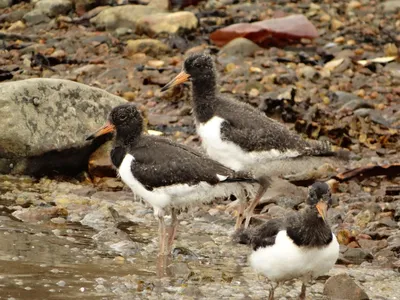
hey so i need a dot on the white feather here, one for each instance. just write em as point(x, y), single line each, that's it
point(179, 195)
point(285, 260)
point(222, 177)
point(231, 155)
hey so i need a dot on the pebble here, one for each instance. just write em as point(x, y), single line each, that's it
point(61, 283)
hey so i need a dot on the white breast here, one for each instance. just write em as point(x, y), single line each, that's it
point(230, 154)
point(180, 195)
point(285, 260)
point(156, 199)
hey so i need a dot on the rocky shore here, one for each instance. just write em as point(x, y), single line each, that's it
point(69, 227)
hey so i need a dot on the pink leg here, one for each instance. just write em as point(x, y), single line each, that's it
point(264, 184)
point(172, 230)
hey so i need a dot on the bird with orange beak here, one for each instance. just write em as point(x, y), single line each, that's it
point(242, 137)
point(299, 246)
point(167, 175)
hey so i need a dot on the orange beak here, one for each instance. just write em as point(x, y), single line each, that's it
point(108, 127)
point(322, 208)
point(180, 78)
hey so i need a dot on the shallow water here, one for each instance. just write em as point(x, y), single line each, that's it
point(47, 260)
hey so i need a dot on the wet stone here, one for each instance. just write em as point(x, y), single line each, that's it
point(342, 286)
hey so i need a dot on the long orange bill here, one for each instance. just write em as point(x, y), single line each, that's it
point(108, 127)
point(322, 208)
point(180, 78)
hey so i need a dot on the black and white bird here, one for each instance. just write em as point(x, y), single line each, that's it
point(300, 246)
point(167, 175)
point(240, 136)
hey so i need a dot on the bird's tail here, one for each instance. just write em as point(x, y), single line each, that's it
point(325, 148)
point(242, 177)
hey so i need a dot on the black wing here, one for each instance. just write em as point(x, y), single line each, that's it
point(262, 235)
point(161, 162)
point(253, 131)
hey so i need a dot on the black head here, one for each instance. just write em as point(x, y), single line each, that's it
point(319, 197)
point(126, 120)
point(197, 68)
point(199, 65)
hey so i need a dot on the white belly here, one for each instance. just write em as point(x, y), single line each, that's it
point(233, 156)
point(179, 195)
point(285, 260)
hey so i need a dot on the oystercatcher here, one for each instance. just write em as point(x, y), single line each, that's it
point(240, 136)
point(167, 175)
point(300, 246)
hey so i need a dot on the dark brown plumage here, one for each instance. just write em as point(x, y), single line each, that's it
point(165, 174)
point(301, 245)
point(248, 140)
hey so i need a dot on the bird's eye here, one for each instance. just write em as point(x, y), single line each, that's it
point(122, 117)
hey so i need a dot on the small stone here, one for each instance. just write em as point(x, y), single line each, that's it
point(5, 3)
point(54, 8)
point(130, 96)
point(342, 286)
point(155, 63)
point(363, 218)
point(58, 220)
point(17, 26)
point(230, 67)
point(166, 22)
point(354, 5)
point(239, 47)
point(255, 70)
point(325, 18)
point(336, 24)
point(61, 283)
point(351, 42)
point(391, 6)
point(125, 16)
point(391, 50)
point(36, 16)
point(254, 93)
point(307, 72)
point(357, 255)
point(150, 47)
point(339, 40)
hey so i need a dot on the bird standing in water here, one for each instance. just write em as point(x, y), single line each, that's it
point(243, 138)
point(167, 175)
point(300, 246)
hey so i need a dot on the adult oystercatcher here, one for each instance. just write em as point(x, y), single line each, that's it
point(243, 138)
point(167, 175)
point(300, 246)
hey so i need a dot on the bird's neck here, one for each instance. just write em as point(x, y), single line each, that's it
point(123, 142)
point(204, 98)
point(314, 233)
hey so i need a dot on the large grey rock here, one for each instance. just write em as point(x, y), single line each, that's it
point(53, 8)
point(122, 16)
point(49, 118)
point(154, 24)
point(149, 46)
point(342, 287)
